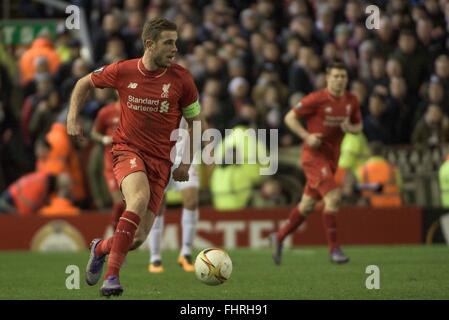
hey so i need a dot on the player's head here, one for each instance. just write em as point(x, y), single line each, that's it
point(336, 78)
point(159, 37)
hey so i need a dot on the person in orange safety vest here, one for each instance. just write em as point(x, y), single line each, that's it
point(379, 180)
point(28, 194)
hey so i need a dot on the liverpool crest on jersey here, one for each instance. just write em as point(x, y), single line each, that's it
point(165, 88)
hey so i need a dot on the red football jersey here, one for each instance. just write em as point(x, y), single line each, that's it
point(152, 103)
point(106, 122)
point(324, 113)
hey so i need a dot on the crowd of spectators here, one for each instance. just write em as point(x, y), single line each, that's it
point(251, 60)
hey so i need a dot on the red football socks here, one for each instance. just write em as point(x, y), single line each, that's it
point(117, 211)
point(295, 219)
point(123, 238)
point(330, 228)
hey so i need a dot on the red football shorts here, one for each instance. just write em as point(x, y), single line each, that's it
point(127, 160)
point(320, 179)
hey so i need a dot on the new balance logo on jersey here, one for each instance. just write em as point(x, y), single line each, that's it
point(133, 163)
point(132, 85)
point(328, 109)
point(164, 106)
point(165, 88)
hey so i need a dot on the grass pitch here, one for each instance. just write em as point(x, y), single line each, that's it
point(406, 272)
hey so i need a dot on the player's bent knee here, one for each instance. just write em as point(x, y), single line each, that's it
point(332, 201)
point(306, 208)
point(138, 202)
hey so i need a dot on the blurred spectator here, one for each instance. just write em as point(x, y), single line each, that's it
point(80, 68)
point(187, 39)
point(302, 28)
point(249, 22)
point(62, 45)
point(378, 73)
point(270, 107)
point(329, 53)
point(131, 33)
point(379, 180)
point(345, 53)
point(110, 28)
point(44, 85)
point(442, 73)
point(409, 54)
point(384, 41)
point(298, 75)
point(359, 36)
point(443, 176)
point(231, 187)
point(65, 68)
point(429, 39)
point(354, 152)
point(246, 149)
point(353, 13)
point(269, 195)
point(213, 111)
point(401, 107)
point(324, 24)
point(394, 68)
point(115, 51)
point(433, 10)
point(28, 194)
point(239, 92)
point(434, 94)
point(42, 70)
point(366, 51)
point(7, 59)
point(10, 139)
point(338, 8)
point(41, 47)
point(376, 124)
point(45, 115)
point(432, 129)
point(360, 90)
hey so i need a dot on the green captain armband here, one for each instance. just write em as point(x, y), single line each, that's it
point(191, 111)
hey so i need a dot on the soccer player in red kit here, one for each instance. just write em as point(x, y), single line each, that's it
point(154, 94)
point(329, 113)
point(105, 124)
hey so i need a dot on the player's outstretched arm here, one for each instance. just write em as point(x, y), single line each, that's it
point(79, 95)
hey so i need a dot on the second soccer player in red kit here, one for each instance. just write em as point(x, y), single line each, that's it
point(106, 123)
point(154, 94)
point(329, 113)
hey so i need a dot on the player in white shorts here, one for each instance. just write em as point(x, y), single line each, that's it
point(190, 213)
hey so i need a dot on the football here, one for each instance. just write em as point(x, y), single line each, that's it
point(213, 266)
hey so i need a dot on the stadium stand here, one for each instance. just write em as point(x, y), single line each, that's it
point(252, 60)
